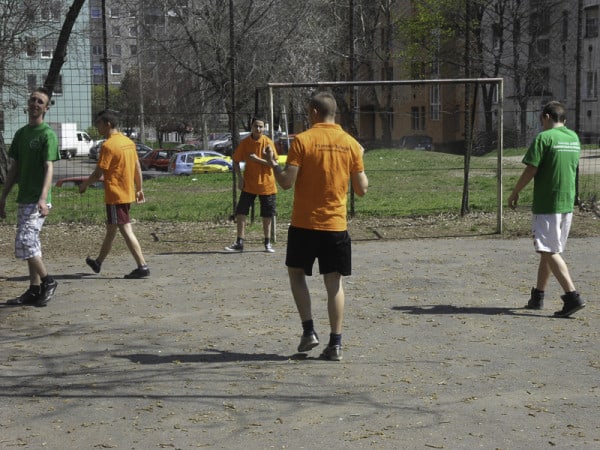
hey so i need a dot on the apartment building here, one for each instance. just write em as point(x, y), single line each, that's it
point(72, 96)
point(589, 123)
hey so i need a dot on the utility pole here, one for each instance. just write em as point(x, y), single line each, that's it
point(142, 133)
point(105, 60)
point(232, 115)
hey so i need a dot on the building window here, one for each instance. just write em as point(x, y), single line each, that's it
point(496, 36)
point(591, 22)
point(31, 81)
point(98, 74)
point(96, 12)
point(116, 50)
point(591, 85)
point(97, 50)
point(58, 87)
point(417, 118)
point(133, 31)
point(116, 31)
point(133, 50)
point(50, 11)
point(154, 16)
point(435, 102)
point(539, 22)
point(114, 12)
point(387, 73)
point(565, 26)
point(31, 47)
point(543, 47)
point(495, 94)
point(537, 82)
point(47, 53)
point(115, 69)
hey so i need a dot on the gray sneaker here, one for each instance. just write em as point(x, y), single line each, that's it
point(308, 342)
point(332, 353)
point(269, 248)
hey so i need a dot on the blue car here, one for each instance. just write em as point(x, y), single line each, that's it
point(181, 163)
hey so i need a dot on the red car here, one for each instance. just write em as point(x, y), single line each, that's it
point(157, 159)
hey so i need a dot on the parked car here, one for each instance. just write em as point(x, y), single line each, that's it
point(215, 139)
point(76, 181)
point(142, 149)
point(417, 142)
point(181, 163)
point(226, 147)
point(95, 150)
point(157, 159)
point(206, 164)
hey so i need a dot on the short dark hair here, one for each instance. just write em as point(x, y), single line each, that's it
point(555, 110)
point(258, 117)
point(43, 90)
point(108, 116)
point(324, 103)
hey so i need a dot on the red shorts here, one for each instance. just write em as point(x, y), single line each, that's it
point(117, 214)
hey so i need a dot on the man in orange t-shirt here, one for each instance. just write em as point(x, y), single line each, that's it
point(257, 180)
point(321, 162)
point(118, 164)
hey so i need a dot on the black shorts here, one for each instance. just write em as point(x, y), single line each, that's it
point(267, 204)
point(333, 249)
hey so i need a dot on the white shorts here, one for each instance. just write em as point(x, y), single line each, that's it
point(550, 232)
point(29, 225)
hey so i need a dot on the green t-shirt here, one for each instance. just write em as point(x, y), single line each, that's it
point(555, 153)
point(31, 148)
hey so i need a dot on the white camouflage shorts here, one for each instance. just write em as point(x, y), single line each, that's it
point(29, 225)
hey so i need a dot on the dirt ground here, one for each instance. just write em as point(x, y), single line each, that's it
point(438, 352)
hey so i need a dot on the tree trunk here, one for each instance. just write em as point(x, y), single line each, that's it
point(3, 152)
point(61, 46)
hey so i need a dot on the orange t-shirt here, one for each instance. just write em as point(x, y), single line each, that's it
point(326, 156)
point(258, 179)
point(118, 160)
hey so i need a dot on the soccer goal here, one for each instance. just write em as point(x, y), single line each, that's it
point(588, 179)
point(427, 116)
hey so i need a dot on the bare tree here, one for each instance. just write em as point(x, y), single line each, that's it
point(17, 28)
point(17, 20)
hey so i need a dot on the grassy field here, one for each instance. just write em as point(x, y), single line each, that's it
point(402, 183)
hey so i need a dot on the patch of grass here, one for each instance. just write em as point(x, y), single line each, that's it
point(402, 183)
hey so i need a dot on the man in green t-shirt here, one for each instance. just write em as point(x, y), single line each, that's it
point(32, 152)
point(552, 161)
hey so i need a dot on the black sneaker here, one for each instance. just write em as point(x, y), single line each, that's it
point(47, 293)
point(536, 301)
point(572, 303)
point(235, 247)
point(29, 297)
point(94, 264)
point(140, 272)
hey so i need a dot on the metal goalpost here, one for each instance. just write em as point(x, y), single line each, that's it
point(499, 121)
